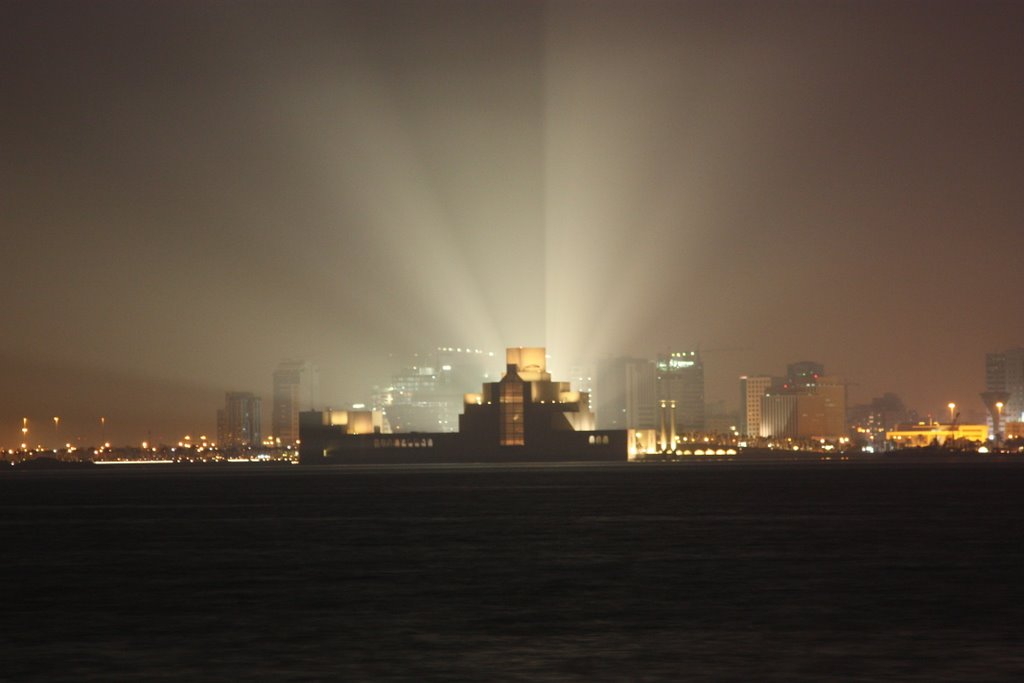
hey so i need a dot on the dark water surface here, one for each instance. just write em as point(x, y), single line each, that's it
point(642, 573)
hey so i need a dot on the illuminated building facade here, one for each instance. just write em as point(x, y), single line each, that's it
point(296, 388)
point(354, 422)
point(1004, 372)
point(778, 415)
point(524, 416)
point(238, 422)
point(809, 405)
point(1014, 430)
point(680, 377)
point(921, 435)
point(752, 391)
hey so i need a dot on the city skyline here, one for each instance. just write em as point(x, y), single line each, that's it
point(287, 394)
point(196, 191)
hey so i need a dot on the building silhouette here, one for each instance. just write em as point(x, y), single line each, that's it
point(426, 394)
point(296, 389)
point(239, 421)
point(626, 394)
point(524, 416)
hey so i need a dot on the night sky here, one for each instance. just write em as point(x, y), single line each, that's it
point(195, 191)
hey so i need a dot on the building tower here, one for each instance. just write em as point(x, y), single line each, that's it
point(1004, 371)
point(626, 394)
point(238, 422)
point(681, 379)
point(296, 388)
point(752, 390)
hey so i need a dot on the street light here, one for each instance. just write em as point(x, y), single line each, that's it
point(952, 407)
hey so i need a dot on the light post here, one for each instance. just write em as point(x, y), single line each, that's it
point(952, 407)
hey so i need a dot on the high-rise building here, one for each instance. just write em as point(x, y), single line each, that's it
point(641, 395)
point(427, 394)
point(808, 405)
point(238, 422)
point(680, 377)
point(752, 390)
point(296, 389)
point(778, 415)
point(821, 409)
point(1004, 371)
point(626, 394)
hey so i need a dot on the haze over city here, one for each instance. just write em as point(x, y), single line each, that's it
point(196, 191)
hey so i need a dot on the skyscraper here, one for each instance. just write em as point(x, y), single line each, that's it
point(239, 421)
point(625, 394)
point(296, 388)
point(1004, 371)
point(641, 395)
point(681, 379)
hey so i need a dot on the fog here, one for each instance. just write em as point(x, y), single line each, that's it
point(195, 191)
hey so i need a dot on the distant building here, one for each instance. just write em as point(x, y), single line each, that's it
point(626, 394)
point(641, 395)
point(920, 435)
point(525, 416)
point(871, 421)
point(778, 415)
point(1014, 430)
point(296, 388)
point(426, 395)
point(238, 422)
point(803, 373)
point(719, 419)
point(809, 405)
point(1004, 371)
point(752, 391)
point(680, 377)
point(582, 377)
point(821, 409)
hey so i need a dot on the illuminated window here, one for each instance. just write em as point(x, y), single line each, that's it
point(510, 412)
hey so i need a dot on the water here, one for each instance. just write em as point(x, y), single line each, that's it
point(577, 573)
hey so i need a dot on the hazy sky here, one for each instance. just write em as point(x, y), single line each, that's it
point(194, 191)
